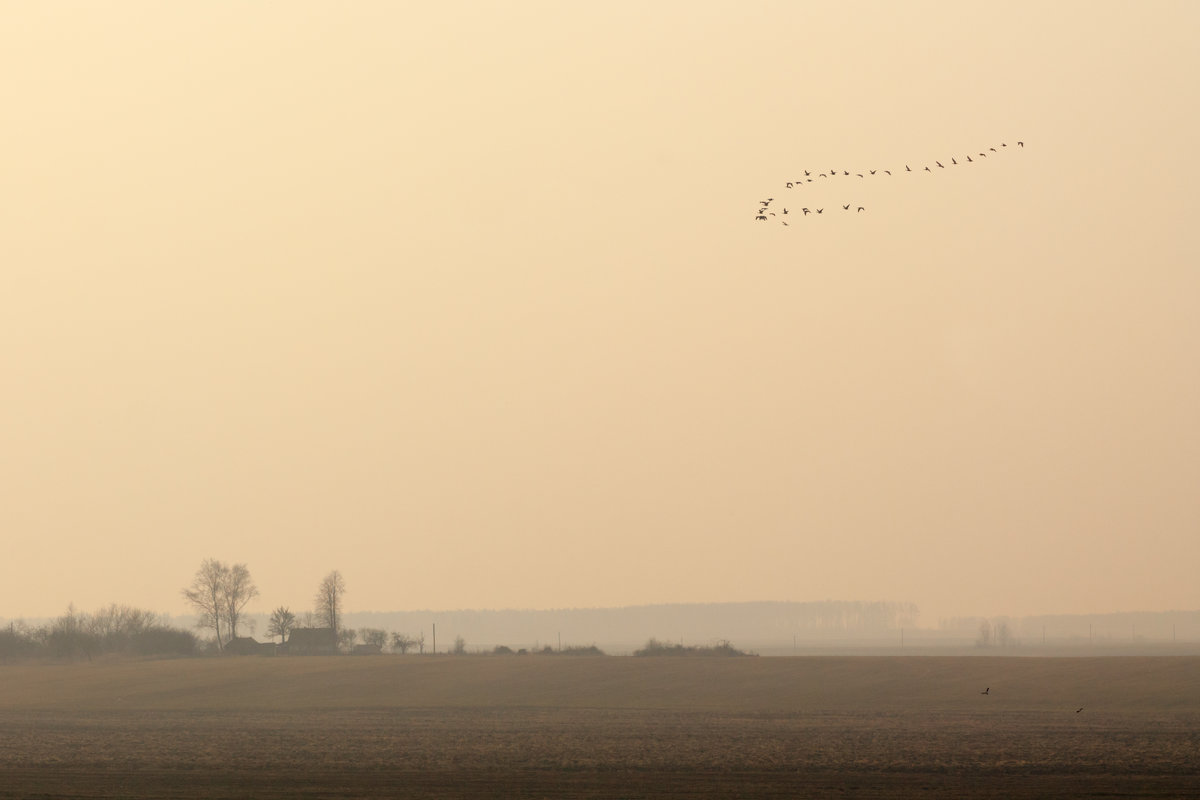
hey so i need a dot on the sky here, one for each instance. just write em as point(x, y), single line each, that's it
point(468, 301)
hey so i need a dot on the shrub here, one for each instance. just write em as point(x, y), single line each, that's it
point(656, 648)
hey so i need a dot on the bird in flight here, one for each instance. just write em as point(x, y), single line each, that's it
point(985, 691)
point(860, 208)
point(1079, 709)
point(806, 211)
point(847, 206)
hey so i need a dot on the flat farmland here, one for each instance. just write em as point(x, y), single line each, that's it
point(543, 726)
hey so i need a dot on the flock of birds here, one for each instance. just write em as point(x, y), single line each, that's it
point(766, 214)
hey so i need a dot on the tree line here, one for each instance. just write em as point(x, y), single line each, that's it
point(78, 635)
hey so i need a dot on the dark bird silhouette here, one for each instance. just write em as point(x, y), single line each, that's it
point(952, 161)
point(860, 208)
point(888, 171)
point(983, 154)
point(789, 184)
point(1021, 144)
point(844, 172)
point(872, 172)
point(927, 169)
point(985, 691)
point(761, 216)
point(807, 173)
point(847, 206)
point(969, 159)
point(785, 211)
point(1079, 709)
point(822, 175)
point(994, 150)
point(860, 174)
point(1002, 144)
point(820, 210)
point(784, 221)
point(907, 168)
point(940, 164)
point(806, 211)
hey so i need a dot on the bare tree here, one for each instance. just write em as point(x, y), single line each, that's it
point(402, 642)
point(207, 596)
point(281, 624)
point(329, 601)
point(238, 590)
point(985, 634)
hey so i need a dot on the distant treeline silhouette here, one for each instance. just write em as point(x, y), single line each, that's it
point(624, 628)
point(78, 635)
point(656, 648)
point(1122, 626)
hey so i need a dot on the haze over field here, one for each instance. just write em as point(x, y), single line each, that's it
point(468, 301)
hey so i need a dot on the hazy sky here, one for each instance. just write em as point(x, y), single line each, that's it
point(468, 301)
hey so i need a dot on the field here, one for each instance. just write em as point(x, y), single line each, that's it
point(543, 726)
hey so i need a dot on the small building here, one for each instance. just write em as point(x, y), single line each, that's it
point(310, 642)
point(367, 650)
point(248, 646)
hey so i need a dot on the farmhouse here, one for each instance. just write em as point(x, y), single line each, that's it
point(311, 642)
point(248, 646)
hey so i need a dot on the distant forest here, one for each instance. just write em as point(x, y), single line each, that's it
point(629, 627)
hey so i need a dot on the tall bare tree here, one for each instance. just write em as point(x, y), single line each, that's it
point(207, 596)
point(329, 601)
point(238, 590)
point(219, 593)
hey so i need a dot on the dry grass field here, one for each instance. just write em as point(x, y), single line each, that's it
point(602, 727)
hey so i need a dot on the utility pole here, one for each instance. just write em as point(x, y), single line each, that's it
point(435, 638)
